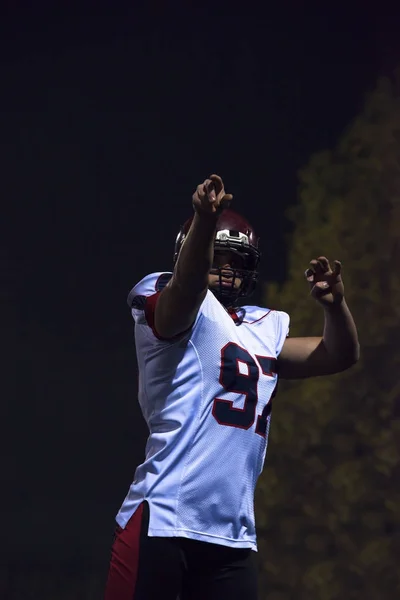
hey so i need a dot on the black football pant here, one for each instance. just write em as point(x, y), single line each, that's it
point(150, 568)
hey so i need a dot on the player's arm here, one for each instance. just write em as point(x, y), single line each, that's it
point(338, 349)
point(178, 303)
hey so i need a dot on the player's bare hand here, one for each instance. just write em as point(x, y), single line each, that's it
point(325, 283)
point(210, 196)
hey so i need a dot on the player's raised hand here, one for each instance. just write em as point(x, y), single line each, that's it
point(210, 196)
point(325, 283)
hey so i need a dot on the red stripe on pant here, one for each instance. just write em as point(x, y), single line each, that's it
point(123, 571)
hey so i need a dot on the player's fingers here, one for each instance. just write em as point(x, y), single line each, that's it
point(206, 184)
point(337, 267)
point(309, 275)
point(209, 189)
point(322, 285)
point(324, 262)
point(316, 266)
point(200, 191)
point(218, 183)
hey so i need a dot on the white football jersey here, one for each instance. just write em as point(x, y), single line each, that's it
point(206, 398)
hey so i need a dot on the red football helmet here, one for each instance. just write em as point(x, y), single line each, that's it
point(235, 234)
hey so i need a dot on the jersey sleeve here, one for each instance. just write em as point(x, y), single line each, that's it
point(143, 297)
point(282, 321)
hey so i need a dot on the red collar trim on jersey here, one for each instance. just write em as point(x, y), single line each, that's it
point(232, 312)
point(237, 318)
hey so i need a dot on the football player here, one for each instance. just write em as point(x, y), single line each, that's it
point(208, 368)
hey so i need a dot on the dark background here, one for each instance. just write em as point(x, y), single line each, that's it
point(109, 119)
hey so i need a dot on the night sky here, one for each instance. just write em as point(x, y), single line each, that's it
point(108, 122)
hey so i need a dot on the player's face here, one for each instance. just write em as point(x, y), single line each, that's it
point(226, 261)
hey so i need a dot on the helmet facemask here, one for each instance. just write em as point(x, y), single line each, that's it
point(234, 234)
point(237, 243)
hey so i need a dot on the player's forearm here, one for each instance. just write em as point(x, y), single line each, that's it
point(180, 300)
point(340, 335)
point(196, 255)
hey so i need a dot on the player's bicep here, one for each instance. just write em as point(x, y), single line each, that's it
point(304, 357)
point(174, 310)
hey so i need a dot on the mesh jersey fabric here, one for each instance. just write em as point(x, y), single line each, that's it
point(206, 399)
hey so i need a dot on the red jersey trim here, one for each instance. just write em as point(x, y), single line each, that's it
point(263, 317)
point(235, 317)
point(149, 312)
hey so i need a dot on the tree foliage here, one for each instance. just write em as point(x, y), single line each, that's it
point(328, 502)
